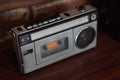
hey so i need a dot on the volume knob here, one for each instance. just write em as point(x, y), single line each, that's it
point(81, 8)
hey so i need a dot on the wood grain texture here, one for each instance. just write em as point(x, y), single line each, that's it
point(100, 63)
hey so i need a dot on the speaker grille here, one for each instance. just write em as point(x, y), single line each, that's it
point(85, 37)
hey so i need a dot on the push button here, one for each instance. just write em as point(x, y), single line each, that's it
point(28, 26)
point(59, 18)
point(52, 20)
point(35, 25)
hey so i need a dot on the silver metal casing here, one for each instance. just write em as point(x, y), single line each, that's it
point(51, 42)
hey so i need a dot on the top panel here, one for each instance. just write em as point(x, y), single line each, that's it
point(44, 23)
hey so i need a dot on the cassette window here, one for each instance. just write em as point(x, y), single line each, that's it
point(54, 47)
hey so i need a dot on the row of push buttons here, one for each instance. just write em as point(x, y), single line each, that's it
point(43, 22)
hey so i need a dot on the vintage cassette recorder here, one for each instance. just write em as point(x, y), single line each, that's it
point(55, 38)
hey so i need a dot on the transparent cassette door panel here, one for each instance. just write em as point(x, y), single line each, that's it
point(54, 46)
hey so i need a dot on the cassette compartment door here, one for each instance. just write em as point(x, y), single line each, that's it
point(54, 46)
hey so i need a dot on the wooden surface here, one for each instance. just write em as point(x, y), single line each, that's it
point(100, 63)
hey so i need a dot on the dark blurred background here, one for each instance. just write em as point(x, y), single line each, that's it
point(109, 12)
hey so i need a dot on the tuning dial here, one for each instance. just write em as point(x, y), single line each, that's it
point(85, 37)
point(93, 16)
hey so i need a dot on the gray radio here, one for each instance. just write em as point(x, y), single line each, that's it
point(55, 38)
